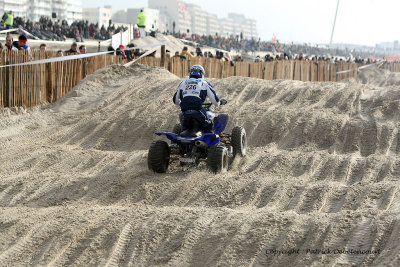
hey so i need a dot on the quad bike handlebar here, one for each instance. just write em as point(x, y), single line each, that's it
point(207, 105)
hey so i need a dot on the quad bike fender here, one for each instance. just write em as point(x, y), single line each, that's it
point(209, 138)
point(220, 123)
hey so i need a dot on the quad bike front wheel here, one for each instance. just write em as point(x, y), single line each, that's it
point(239, 141)
point(218, 159)
point(158, 157)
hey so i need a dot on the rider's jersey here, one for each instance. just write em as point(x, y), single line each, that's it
point(192, 92)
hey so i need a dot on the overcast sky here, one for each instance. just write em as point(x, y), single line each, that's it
point(358, 22)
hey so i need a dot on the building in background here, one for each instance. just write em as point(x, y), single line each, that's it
point(38, 9)
point(18, 7)
point(59, 9)
point(101, 15)
point(173, 12)
point(74, 10)
point(193, 19)
point(213, 24)
point(227, 27)
point(199, 19)
point(243, 25)
point(33, 9)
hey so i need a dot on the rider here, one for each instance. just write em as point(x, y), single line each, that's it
point(191, 94)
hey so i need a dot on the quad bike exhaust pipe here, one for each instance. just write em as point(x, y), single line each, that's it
point(201, 144)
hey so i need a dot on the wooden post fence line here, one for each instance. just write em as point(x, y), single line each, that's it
point(46, 83)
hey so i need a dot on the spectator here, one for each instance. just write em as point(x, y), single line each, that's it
point(218, 55)
point(141, 22)
point(9, 21)
point(73, 50)
point(48, 29)
point(135, 52)
point(3, 19)
point(131, 53)
point(121, 51)
point(9, 44)
point(185, 52)
point(110, 48)
point(199, 53)
point(16, 45)
point(227, 58)
point(23, 46)
point(238, 59)
point(59, 53)
point(42, 47)
point(136, 31)
point(177, 54)
point(82, 49)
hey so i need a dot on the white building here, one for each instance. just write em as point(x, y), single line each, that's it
point(74, 10)
point(227, 27)
point(59, 8)
point(213, 24)
point(18, 7)
point(253, 28)
point(199, 19)
point(243, 25)
point(38, 9)
point(101, 15)
point(194, 18)
point(173, 12)
point(34, 9)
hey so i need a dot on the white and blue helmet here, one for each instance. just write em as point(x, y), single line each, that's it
point(197, 71)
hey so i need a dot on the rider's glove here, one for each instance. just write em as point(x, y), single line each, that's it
point(223, 102)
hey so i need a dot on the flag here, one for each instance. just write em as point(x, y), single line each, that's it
point(273, 38)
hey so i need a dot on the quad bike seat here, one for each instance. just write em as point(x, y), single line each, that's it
point(190, 133)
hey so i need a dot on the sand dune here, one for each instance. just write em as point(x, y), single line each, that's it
point(319, 185)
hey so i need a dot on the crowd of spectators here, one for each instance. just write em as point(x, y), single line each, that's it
point(268, 57)
point(59, 30)
point(51, 29)
point(241, 44)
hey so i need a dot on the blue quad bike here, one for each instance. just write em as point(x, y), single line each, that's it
point(191, 146)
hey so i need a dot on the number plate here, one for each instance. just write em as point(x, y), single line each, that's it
point(187, 160)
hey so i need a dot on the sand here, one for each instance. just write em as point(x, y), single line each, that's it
point(319, 185)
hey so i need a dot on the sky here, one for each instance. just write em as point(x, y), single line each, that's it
point(365, 22)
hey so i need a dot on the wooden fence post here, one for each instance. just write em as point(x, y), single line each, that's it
point(49, 84)
point(162, 63)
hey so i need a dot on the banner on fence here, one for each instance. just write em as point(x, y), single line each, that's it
point(145, 54)
point(72, 57)
point(360, 68)
point(10, 30)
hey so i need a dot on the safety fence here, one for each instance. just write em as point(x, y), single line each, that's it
point(392, 66)
point(289, 70)
point(30, 85)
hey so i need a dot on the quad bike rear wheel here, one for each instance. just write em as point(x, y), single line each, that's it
point(218, 159)
point(239, 141)
point(158, 157)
